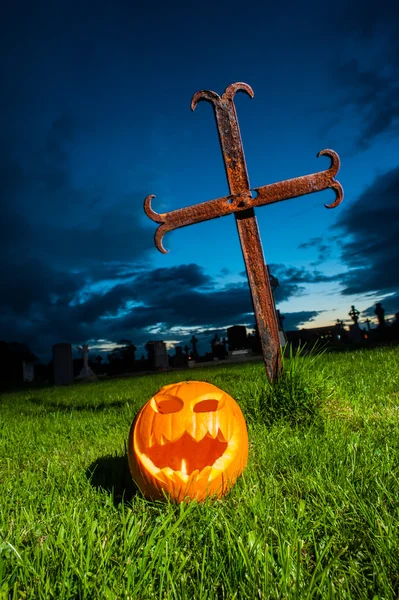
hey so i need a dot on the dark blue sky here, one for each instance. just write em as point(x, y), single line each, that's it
point(95, 115)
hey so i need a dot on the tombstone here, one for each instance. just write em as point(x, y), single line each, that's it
point(281, 333)
point(194, 343)
point(179, 359)
point(86, 372)
point(354, 315)
point(62, 364)
point(157, 354)
point(237, 337)
point(355, 334)
point(218, 348)
point(380, 312)
point(28, 371)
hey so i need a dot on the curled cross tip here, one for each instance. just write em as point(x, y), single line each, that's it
point(229, 93)
point(333, 170)
point(158, 218)
point(158, 241)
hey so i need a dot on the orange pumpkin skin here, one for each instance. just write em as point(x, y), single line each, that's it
point(190, 441)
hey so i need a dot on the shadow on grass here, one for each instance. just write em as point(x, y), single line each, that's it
point(62, 407)
point(111, 473)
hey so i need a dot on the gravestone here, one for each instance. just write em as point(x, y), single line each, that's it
point(380, 312)
point(194, 343)
point(179, 359)
point(28, 371)
point(237, 337)
point(354, 315)
point(281, 333)
point(62, 364)
point(355, 334)
point(86, 372)
point(158, 354)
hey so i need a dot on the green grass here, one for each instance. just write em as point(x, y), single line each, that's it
point(315, 515)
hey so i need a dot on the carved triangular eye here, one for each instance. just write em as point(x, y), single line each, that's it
point(169, 404)
point(206, 406)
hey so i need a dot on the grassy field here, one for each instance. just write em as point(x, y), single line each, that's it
point(315, 515)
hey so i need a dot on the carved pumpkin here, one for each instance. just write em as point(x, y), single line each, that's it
point(189, 440)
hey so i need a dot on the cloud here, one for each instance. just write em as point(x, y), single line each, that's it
point(390, 305)
point(375, 96)
point(372, 252)
point(371, 91)
point(296, 320)
point(323, 245)
point(56, 242)
point(293, 280)
point(51, 306)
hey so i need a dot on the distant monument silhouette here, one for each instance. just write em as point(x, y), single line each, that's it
point(62, 364)
point(86, 372)
point(274, 283)
point(380, 312)
point(194, 342)
point(368, 324)
point(157, 354)
point(218, 347)
point(215, 340)
point(354, 315)
point(237, 337)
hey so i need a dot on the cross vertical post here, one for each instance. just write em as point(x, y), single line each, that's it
point(241, 203)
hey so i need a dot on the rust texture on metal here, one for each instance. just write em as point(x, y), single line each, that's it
point(241, 203)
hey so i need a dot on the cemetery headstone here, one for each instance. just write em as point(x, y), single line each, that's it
point(354, 315)
point(158, 354)
point(380, 312)
point(86, 372)
point(62, 364)
point(355, 334)
point(28, 371)
point(194, 343)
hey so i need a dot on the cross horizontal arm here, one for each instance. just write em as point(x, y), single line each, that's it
point(268, 194)
point(204, 211)
point(299, 186)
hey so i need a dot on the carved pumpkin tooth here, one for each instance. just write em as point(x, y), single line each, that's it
point(204, 474)
point(220, 436)
point(183, 467)
point(194, 475)
point(153, 440)
point(167, 471)
point(180, 478)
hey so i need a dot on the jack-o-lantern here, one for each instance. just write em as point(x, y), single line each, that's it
point(190, 440)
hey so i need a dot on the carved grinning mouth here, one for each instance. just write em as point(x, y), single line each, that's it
point(186, 455)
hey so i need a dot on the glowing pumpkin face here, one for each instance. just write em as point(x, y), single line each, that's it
point(189, 440)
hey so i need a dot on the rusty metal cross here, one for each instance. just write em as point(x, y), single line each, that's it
point(241, 203)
